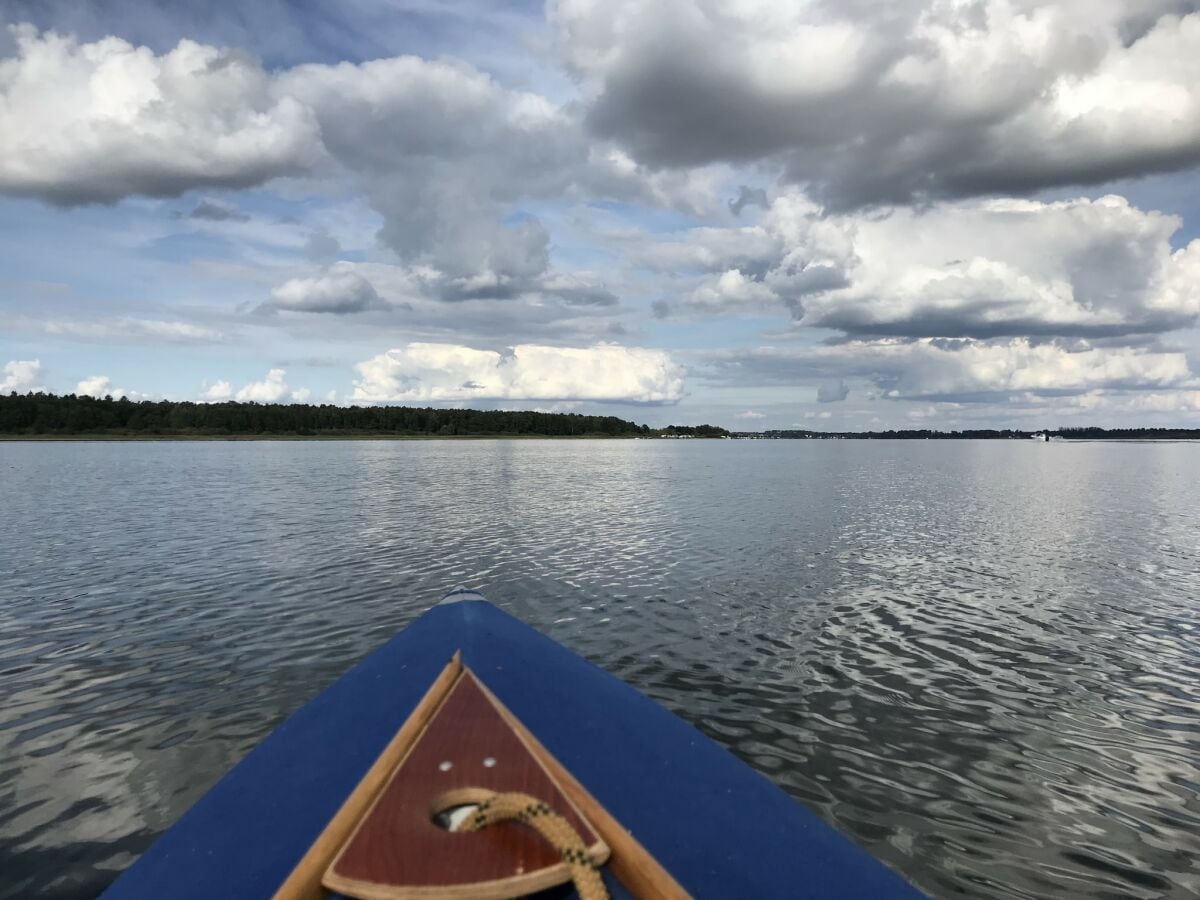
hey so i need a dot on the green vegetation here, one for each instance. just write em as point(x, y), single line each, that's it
point(694, 431)
point(70, 416)
point(48, 415)
point(1128, 434)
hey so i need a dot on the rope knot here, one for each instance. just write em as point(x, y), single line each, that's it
point(552, 827)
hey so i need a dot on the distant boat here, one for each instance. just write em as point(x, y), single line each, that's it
point(469, 720)
point(1039, 436)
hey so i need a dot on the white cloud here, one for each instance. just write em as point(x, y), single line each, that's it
point(1022, 366)
point(447, 372)
point(99, 386)
point(338, 289)
point(271, 389)
point(1016, 267)
point(440, 150)
point(1185, 402)
point(870, 102)
point(964, 370)
point(750, 415)
point(21, 376)
point(216, 392)
point(731, 290)
point(92, 123)
point(972, 268)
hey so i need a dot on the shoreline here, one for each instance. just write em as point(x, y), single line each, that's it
point(41, 438)
point(367, 436)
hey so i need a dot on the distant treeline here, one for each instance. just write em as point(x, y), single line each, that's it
point(697, 431)
point(906, 434)
point(1133, 434)
point(49, 414)
point(925, 434)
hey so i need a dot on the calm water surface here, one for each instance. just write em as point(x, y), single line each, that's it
point(981, 660)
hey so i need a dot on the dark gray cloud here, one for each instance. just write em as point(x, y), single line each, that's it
point(832, 391)
point(321, 246)
point(965, 371)
point(446, 155)
point(587, 296)
point(893, 103)
point(413, 301)
point(578, 290)
point(748, 196)
point(214, 211)
point(1140, 18)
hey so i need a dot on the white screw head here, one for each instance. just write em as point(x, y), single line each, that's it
point(489, 762)
point(446, 766)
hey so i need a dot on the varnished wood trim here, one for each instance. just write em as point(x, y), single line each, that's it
point(635, 868)
point(501, 889)
point(304, 882)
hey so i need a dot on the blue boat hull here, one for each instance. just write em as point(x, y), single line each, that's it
point(718, 827)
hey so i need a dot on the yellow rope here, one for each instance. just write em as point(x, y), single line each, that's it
point(550, 825)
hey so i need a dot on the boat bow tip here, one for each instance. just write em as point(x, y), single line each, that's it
point(459, 594)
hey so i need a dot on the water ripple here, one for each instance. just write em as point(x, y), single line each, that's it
point(976, 659)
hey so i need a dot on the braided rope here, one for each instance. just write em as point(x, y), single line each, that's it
point(551, 826)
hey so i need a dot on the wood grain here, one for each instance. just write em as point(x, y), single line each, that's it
point(304, 882)
point(638, 871)
point(467, 751)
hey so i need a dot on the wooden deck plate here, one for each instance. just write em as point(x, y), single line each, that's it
point(398, 852)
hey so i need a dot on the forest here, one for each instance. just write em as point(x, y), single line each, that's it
point(50, 415)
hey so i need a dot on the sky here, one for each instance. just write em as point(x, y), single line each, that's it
point(826, 214)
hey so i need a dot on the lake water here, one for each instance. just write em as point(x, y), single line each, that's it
point(980, 660)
